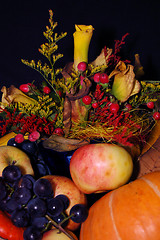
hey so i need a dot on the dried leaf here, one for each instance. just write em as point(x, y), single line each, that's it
point(13, 94)
point(150, 160)
point(79, 112)
point(102, 59)
point(62, 144)
point(67, 116)
point(153, 136)
point(136, 88)
point(74, 111)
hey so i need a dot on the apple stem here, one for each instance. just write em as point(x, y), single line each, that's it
point(59, 227)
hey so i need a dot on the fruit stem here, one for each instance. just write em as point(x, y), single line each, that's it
point(11, 189)
point(59, 227)
point(66, 218)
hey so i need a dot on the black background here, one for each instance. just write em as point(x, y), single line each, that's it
point(22, 24)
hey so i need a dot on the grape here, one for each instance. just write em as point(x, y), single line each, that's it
point(25, 182)
point(40, 155)
point(42, 169)
point(32, 233)
point(30, 177)
point(43, 188)
point(3, 203)
point(39, 222)
point(20, 218)
point(58, 219)
point(29, 147)
point(11, 173)
point(13, 143)
point(79, 213)
point(11, 205)
point(64, 199)
point(3, 189)
point(14, 185)
point(55, 206)
point(22, 195)
point(37, 207)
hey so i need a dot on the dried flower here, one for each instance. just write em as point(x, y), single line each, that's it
point(124, 83)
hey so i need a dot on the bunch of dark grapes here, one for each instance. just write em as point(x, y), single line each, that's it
point(32, 149)
point(31, 204)
point(44, 161)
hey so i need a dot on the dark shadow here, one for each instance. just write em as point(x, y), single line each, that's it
point(151, 73)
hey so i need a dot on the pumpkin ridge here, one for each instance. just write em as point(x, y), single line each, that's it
point(151, 185)
point(112, 216)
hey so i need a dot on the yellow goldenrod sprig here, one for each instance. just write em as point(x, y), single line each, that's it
point(148, 88)
point(68, 84)
point(96, 69)
point(45, 107)
point(48, 49)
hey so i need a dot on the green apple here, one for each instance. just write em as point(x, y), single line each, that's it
point(10, 155)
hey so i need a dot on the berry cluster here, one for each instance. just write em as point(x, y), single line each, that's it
point(98, 78)
point(31, 203)
point(102, 79)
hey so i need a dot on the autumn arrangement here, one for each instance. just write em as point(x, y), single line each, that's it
point(101, 111)
point(85, 101)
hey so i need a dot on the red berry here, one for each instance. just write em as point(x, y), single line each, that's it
point(128, 106)
point(104, 78)
point(82, 66)
point(96, 77)
point(24, 88)
point(46, 90)
point(156, 115)
point(59, 93)
point(114, 107)
point(58, 131)
point(150, 105)
point(19, 138)
point(95, 105)
point(31, 85)
point(35, 135)
point(87, 100)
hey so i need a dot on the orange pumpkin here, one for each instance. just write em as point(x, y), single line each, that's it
point(128, 213)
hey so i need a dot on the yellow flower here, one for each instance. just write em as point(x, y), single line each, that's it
point(82, 37)
point(12, 95)
point(124, 84)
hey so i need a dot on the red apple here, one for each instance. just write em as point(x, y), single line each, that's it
point(64, 185)
point(100, 167)
point(55, 234)
point(8, 230)
point(9, 154)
